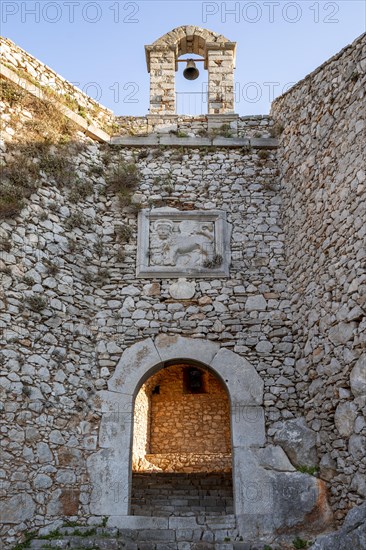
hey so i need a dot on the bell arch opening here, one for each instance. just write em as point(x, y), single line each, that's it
point(215, 93)
point(181, 452)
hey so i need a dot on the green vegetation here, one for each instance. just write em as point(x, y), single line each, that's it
point(26, 542)
point(215, 261)
point(122, 181)
point(300, 543)
point(225, 131)
point(36, 303)
point(9, 93)
point(311, 470)
point(276, 130)
point(52, 535)
point(28, 280)
point(123, 232)
point(104, 521)
point(77, 219)
point(80, 190)
point(263, 154)
point(26, 390)
point(42, 153)
point(99, 247)
point(52, 267)
point(87, 533)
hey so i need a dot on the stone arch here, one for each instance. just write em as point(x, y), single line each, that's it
point(262, 475)
point(219, 59)
point(146, 357)
point(190, 39)
point(137, 364)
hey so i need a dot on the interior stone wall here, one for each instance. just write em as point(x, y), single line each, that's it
point(188, 423)
point(322, 163)
point(141, 430)
point(178, 431)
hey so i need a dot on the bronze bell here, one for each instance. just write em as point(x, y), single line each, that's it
point(191, 72)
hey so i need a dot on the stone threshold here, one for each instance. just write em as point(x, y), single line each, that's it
point(172, 522)
point(173, 141)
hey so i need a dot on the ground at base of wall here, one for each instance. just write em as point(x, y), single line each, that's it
point(205, 538)
point(207, 534)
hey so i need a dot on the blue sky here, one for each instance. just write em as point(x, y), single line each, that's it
point(99, 45)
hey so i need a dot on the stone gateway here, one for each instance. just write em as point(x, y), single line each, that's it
point(182, 310)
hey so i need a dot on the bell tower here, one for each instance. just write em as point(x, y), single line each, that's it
point(218, 55)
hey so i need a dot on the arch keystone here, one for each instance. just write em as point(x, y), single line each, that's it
point(178, 347)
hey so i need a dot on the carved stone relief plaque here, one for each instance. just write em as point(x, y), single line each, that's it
point(173, 243)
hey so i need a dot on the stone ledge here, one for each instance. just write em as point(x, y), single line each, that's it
point(173, 141)
point(138, 522)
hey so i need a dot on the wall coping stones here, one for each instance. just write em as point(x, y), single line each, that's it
point(89, 129)
point(317, 70)
point(173, 141)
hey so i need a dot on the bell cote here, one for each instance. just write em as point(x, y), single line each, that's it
point(218, 55)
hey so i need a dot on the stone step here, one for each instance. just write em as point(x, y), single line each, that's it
point(78, 543)
point(151, 541)
point(145, 533)
point(198, 477)
point(160, 494)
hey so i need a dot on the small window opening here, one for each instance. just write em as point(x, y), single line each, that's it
point(194, 380)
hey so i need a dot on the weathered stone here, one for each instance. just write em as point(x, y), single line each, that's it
point(44, 452)
point(357, 446)
point(152, 289)
point(42, 481)
point(64, 502)
point(17, 509)
point(344, 418)
point(256, 303)
point(274, 458)
point(358, 377)
point(294, 292)
point(182, 290)
point(351, 535)
point(298, 441)
point(328, 467)
point(359, 483)
point(341, 333)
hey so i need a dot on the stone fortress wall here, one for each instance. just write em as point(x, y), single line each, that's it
point(56, 358)
point(43, 78)
point(321, 158)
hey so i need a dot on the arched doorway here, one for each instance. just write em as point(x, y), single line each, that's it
point(181, 457)
point(110, 468)
point(268, 493)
